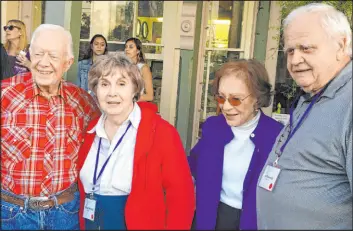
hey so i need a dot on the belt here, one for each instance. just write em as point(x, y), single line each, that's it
point(42, 203)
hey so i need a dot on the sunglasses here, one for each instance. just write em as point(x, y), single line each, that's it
point(11, 27)
point(232, 100)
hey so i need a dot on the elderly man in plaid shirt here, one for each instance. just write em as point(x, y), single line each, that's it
point(42, 121)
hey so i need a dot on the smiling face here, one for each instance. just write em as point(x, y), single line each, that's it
point(131, 50)
point(231, 86)
point(311, 54)
point(98, 46)
point(49, 58)
point(115, 93)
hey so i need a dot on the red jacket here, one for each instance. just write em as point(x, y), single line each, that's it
point(162, 191)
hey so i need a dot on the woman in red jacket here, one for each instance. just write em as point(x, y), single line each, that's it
point(133, 169)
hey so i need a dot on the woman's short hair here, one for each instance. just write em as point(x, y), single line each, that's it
point(253, 73)
point(23, 44)
point(113, 62)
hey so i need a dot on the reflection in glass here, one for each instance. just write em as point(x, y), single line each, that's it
point(285, 88)
point(138, 27)
point(84, 46)
point(151, 49)
point(150, 9)
point(157, 32)
point(150, 13)
point(225, 24)
point(213, 61)
point(117, 21)
point(157, 72)
point(85, 20)
point(121, 16)
point(145, 30)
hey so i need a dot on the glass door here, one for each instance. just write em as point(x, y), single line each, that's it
point(229, 28)
point(120, 20)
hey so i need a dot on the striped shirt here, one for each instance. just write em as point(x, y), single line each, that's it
point(40, 137)
point(314, 187)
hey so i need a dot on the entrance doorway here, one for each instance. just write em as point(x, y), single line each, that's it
point(149, 21)
point(228, 34)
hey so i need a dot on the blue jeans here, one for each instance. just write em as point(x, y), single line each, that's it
point(60, 217)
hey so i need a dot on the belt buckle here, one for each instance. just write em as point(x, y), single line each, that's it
point(36, 203)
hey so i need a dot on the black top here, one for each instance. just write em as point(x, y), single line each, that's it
point(6, 70)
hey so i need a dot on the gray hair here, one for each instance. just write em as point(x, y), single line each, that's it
point(110, 63)
point(52, 27)
point(333, 21)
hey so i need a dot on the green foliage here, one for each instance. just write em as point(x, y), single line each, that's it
point(288, 6)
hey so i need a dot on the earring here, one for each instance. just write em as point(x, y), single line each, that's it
point(256, 110)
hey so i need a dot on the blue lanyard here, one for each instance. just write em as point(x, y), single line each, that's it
point(293, 130)
point(95, 178)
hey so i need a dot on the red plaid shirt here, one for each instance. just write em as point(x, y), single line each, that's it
point(40, 137)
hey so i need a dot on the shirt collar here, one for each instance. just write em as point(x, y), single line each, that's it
point(33, 90)
point(134, 117)
point(249, 125)
point(335, 84)
point(341, 79)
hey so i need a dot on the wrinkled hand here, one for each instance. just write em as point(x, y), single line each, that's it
point(23, 61)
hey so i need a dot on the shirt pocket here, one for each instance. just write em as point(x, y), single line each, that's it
point(73, 142)
point(16, 142)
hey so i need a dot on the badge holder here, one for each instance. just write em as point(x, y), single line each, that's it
point(89, 207)
point(270, 175)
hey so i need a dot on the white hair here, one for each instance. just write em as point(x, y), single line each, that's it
point(333, 21)
point(52, 27)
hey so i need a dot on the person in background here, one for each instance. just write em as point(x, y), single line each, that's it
point(6, 70)
point(133, 49)
point(16, 46)
point(98, 46)
point(42, 121)
point(307, 180)
point(133, 168)
point(227, 160)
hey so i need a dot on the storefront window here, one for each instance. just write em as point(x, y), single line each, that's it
point(149, 22)
point(223, 44)
point(213, 62)
point(286, 89)
point(120, 23)
point(225, 24)
point(120, 20)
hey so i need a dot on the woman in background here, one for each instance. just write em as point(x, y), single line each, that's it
point(133, 49)
point(98, 46)
point(16, 46)
point(227, 160)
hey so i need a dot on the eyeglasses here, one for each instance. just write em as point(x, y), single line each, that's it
point(232, 100)
point(11, 27)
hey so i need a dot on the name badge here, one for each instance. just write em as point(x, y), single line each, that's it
point(269, 177)
point(89, 209)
